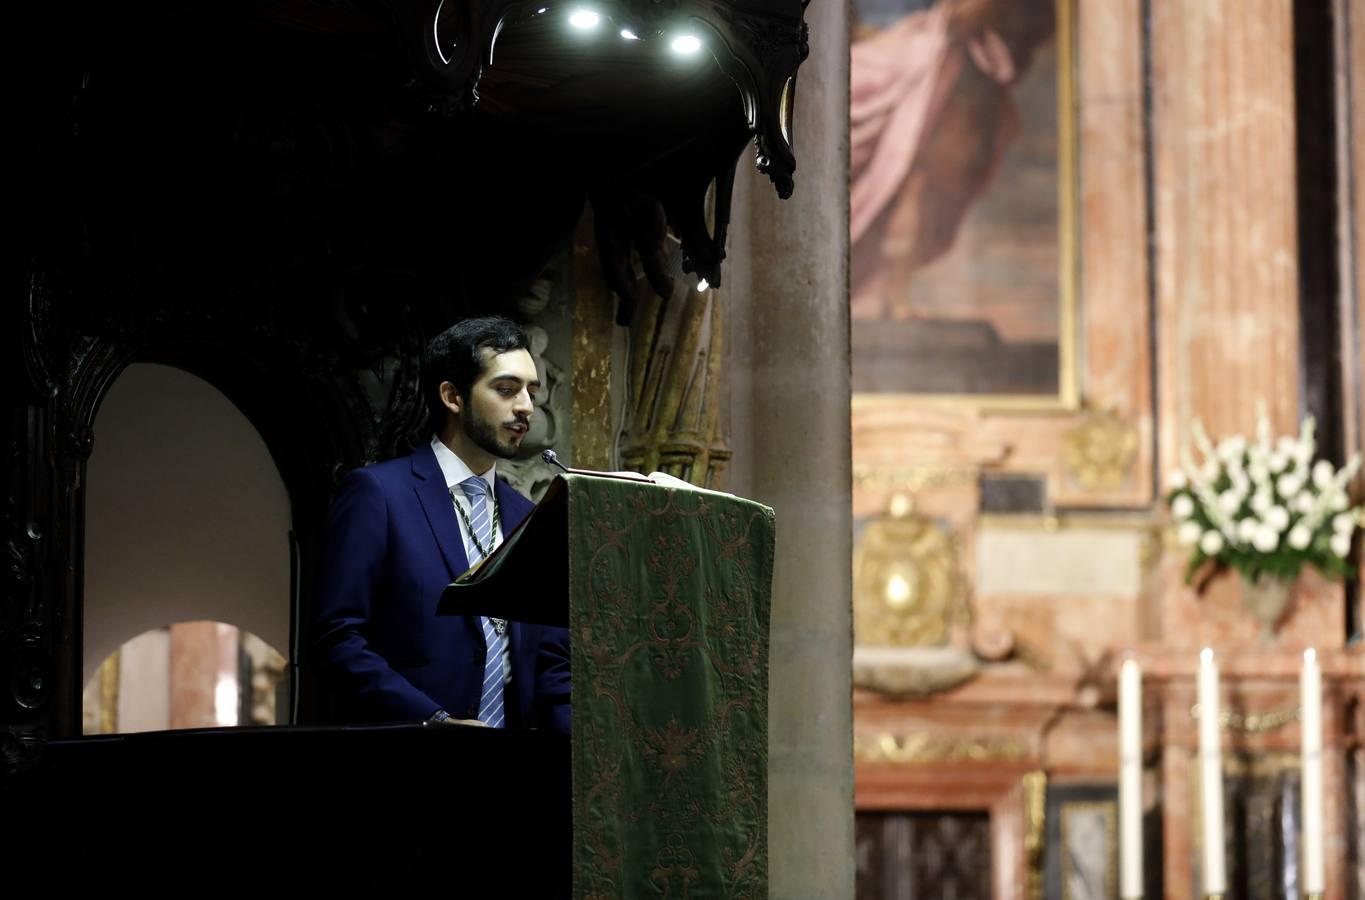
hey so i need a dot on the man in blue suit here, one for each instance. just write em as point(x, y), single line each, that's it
point(400, 531)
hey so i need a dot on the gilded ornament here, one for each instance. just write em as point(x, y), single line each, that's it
point(1099, 452)
point(906, 583)
point(922, 748)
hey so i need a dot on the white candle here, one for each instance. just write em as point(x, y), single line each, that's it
point(1130, 781)
point(1211, 774)
point(1310, 721)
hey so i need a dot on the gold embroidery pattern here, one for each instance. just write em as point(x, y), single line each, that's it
point(670, 641)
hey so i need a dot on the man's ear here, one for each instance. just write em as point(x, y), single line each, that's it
point(450, 396)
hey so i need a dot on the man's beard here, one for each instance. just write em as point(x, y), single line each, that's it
point(484, 433)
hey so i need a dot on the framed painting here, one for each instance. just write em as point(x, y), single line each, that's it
point(963, 206)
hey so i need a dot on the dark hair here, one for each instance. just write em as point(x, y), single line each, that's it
point(453, 355)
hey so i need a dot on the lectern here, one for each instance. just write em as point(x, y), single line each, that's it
point(666, 594)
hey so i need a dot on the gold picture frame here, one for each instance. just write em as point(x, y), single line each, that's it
point(1067, 399)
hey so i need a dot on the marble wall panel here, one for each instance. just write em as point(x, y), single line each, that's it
point(1215, 615)
point(144, 697)
point(1076, 562)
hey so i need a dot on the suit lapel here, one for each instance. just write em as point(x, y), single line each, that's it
point(513, 507)
point(522, 676)
point(434, 496)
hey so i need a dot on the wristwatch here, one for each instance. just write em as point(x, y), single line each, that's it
point(439, 716)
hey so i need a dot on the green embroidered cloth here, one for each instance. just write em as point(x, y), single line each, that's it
point(669, 597)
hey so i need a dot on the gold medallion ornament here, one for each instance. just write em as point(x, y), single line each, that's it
point(1099, 453)
point(906, 584)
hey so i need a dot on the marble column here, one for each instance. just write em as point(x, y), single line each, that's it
point(1225, 218)
point(144, 692)
point(786, 286)
point(1350, 59)
point(202, 654)
point(1350, 20)
point(1226, 273)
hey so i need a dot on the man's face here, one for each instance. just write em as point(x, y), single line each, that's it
point(497, 413)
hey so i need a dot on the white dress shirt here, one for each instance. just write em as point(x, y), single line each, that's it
point(456, 471)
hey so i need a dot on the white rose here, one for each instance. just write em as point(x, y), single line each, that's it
point(1189, 533)
point(1246, 530)
point(1261, 501)
point(1344, 523)
point(1341, 544)
point(1211, 543)
point(1232, 448)
point(1209, 470)
point(1258, 472)
point(1303, 502)
point(1277, 517)
point(1300, 537)
point(1230, 502)
point(1182, 506)
point(1177, 481)
point(1277, 461)
point(1339, 501)
point(1323, 473)
point(1287, 445)
point(1266, 540)
point(1288, 484)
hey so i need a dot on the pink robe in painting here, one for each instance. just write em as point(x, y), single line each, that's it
point(930, 117)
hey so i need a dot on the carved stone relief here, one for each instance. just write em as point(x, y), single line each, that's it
point(546, 311)
point(675, 389)
point(267, 669)
point(1101, 451)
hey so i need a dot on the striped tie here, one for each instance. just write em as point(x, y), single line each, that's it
point(494, 677)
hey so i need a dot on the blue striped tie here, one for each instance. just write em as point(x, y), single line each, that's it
point(494, 677)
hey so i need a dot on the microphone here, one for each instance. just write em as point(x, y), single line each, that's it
point(549, 456)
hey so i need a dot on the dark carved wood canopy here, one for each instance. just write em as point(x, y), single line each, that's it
point(454, 141)
point(288, 198)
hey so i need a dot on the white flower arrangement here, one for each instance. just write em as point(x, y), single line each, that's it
point(1263, 507)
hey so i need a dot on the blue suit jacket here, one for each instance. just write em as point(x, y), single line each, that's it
point(393, 544)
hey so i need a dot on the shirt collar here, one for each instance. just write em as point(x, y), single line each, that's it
point(455, 469)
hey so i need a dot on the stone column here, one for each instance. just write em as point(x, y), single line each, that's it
point(201, 653)
point(1350, 60)
point(786, 290)
point(1226, 240)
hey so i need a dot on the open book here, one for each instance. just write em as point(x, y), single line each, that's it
point(662, 478)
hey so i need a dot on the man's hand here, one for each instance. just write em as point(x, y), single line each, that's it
point(441, 717)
